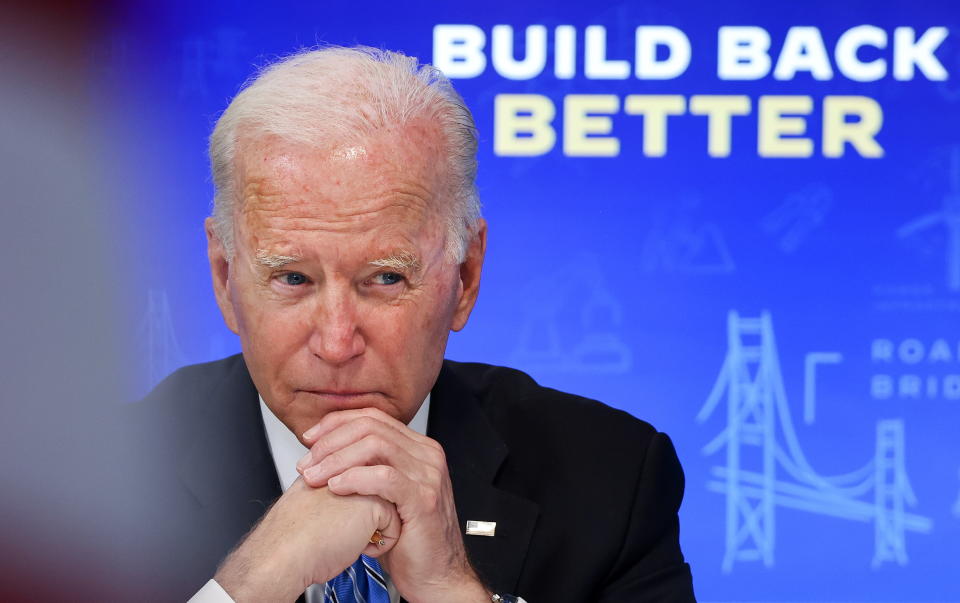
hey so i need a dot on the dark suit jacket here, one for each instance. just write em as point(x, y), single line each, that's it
point(585, 497)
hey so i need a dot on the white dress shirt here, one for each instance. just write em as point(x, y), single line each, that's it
point(286, 450)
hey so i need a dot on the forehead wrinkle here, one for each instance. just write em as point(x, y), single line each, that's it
point(391, 203)
point(260, 186)
point(284, 206)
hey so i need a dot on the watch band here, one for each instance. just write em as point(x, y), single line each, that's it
point(506, 599)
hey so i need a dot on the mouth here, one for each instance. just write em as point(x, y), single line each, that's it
point(343, 398)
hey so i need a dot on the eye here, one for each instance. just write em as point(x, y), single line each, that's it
point(293, 279)
point(387, 278)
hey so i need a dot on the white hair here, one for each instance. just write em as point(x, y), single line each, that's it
point(333, 95)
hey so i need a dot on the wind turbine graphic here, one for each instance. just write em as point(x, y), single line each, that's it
point(949, 216)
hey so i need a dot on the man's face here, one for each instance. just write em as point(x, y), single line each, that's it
point(339, 286)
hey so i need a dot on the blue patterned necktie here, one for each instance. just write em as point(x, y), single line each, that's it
point(362, 582)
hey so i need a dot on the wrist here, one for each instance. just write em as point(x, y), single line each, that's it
point(252, 574)
point(469, 590)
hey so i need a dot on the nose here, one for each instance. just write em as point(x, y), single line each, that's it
point(335, 337)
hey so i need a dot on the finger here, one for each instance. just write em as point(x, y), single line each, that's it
point(351, 432)
point(373, 550)
point(388, 532)
point(344, 434)
point(337, 418)
point(334, 419)
point(412, 500)
point(373, 449)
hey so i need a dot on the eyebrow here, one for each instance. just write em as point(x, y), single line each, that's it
point(398, 260)
point(271, 260)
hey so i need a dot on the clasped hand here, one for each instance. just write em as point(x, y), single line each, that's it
point(367, 452)
point(365, 471)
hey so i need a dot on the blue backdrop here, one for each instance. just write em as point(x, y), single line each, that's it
point(757, 249)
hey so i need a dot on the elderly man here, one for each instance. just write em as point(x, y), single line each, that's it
point(346, 243)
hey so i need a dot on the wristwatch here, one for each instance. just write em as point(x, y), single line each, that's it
point(506, 599)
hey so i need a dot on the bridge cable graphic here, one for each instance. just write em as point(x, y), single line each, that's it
point(758, 419)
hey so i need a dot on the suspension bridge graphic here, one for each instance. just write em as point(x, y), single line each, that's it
point(766, 469)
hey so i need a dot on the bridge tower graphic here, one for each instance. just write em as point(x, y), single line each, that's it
point(765, 468)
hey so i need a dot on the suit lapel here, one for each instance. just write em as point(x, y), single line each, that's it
point(475, 453)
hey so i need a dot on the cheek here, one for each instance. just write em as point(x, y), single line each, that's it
point(268, 334)
point(245, 308)
point(413, 328)
point(389, 329)
point(434, 321)
point(238, 303)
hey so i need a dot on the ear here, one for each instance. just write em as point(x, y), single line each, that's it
point(220, 271)
point(470, 276)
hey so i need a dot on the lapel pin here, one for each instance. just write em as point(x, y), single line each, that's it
point(481, 528)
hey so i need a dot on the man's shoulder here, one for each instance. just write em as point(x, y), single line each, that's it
point(521, 407)
point(202, 376)
point(194, 396)
point(195, 381)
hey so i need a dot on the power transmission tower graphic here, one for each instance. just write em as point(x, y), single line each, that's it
point(949, 216)
point(163, 352)
point(759, 426)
